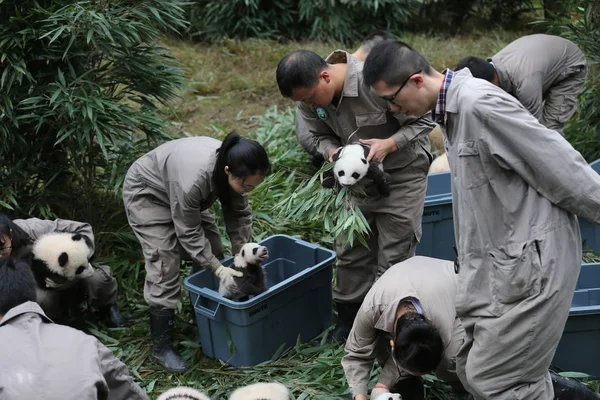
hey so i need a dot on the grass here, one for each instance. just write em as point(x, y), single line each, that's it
point(233, 87)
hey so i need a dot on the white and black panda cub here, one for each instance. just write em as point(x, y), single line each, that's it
point(253, 282)
point(260, 391)
point(351, 166)
point(58, 257)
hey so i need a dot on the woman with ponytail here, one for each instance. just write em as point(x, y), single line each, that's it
point(167, 195)
point(408, 323)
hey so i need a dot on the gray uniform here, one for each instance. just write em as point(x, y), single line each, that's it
point(396, 220)
point(167, 193)
point(305, 138)
point(41, 360)
point(101, 287)
point(546, 74)
point(429, 281)
point(516, 189)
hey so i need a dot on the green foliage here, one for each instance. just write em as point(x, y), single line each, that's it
point(583, 131)
point(79, 90)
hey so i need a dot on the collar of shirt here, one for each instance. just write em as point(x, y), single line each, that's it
point(27, 307)
point(439, 115)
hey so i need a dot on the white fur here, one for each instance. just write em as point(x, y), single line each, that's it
point(262, 391)
point(440, 164)
point(389, 396)
point(183, 393)
point(248, 256)
point(350, 162)
point(50, 246)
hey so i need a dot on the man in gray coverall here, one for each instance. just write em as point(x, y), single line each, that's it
point(515, 207)
point(339, 109)
point(545, 73)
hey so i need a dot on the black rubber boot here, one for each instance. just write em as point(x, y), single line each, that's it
point(410, 388)
point(571, 389)
point(113, 315)
point(346, 314)
point(162, 325)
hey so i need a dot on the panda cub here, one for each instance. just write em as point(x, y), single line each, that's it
point(261, 391)
point(58, 257)
point(351, 166)
point(253, 282)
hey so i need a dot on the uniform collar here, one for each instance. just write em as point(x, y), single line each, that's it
point(353, 69)
point(24, 308)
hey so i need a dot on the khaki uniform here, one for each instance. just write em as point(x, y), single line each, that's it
point(396, 220)
point(41, 360)
point(167, 193)
point(431, 282)
point(546, 74)
point(305, 138)
point(516, 189)
point(101, 288)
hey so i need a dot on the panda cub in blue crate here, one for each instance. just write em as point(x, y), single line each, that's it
point(253, 281)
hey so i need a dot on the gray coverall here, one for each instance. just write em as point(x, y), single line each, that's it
point(395, 221)
point(101, 287)
point(167, 194)
point(431, 282)
point(305, 138)
point(42, 360)
point(516, 188)
point(546, 74)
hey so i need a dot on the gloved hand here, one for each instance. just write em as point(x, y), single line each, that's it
point(224, 273)
point(50, 284)
point(381, 392)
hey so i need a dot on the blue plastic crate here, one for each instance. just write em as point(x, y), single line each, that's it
point(296, 304)
point(438, 222)
point(579, 346)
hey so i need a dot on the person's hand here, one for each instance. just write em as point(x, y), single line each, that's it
point(332, 152)
point(224, 273)
point(379, 148)
point(360, 397)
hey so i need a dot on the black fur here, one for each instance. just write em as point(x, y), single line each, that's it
point(41, 272)
point(253, 282)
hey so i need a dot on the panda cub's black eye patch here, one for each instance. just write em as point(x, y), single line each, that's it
point(341, 173)
point(363, 160)
point(254, 250)
point(356, 175)
point(80, 270)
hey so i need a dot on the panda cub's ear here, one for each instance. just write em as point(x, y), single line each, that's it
point(63, 259)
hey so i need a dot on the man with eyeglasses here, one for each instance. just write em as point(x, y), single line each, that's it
point(339, 109)
point(516, 192)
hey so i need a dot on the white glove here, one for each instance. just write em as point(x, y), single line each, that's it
point(384, 394)
point(224, 273)
point(55, 285)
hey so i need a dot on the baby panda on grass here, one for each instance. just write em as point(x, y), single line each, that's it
point(253, 282)
point(351, 166)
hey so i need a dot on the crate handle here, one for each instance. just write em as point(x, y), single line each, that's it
point(207, 312)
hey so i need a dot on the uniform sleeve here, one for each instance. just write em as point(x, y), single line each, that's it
point(360, 353)
point(325, 137)
point(542, 157)
point(305, 138)
point(35, 228)
point(118, 379)
point(238, 221)
point(411, 128)
point(529, 93)
point(185, 211)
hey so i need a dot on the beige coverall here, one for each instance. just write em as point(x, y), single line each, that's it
point(101, 287)
point(429, 281)
point(517, 187)
point(42, 360)
point(546, 74)
point(306, 139)
point(167, 193)
point(396, 220)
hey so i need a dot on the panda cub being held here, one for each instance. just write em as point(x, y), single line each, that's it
point(60, 257)
point(351, 166)
point(253, 282)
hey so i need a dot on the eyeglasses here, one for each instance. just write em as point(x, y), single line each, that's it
point(390, 99)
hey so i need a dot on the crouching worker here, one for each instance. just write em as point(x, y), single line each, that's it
point(16, 240)
point(408, 313)
point(42, 359)
point(167, 194)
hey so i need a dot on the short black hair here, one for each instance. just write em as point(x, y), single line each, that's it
point(19, 238)
point(392, 62)
point(479, 67)
point(300, 68)
point(17, 284)
point(375, 37)
point(418, 346)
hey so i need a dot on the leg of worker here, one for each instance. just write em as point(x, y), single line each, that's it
point(561, 100)
point(511, 353)
point(154, 229)
point(101, 289)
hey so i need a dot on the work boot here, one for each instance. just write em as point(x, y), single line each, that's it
point(410, 388)
point(162, 325)
point(113, 315)
point(571, 389)
point(346, 314)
